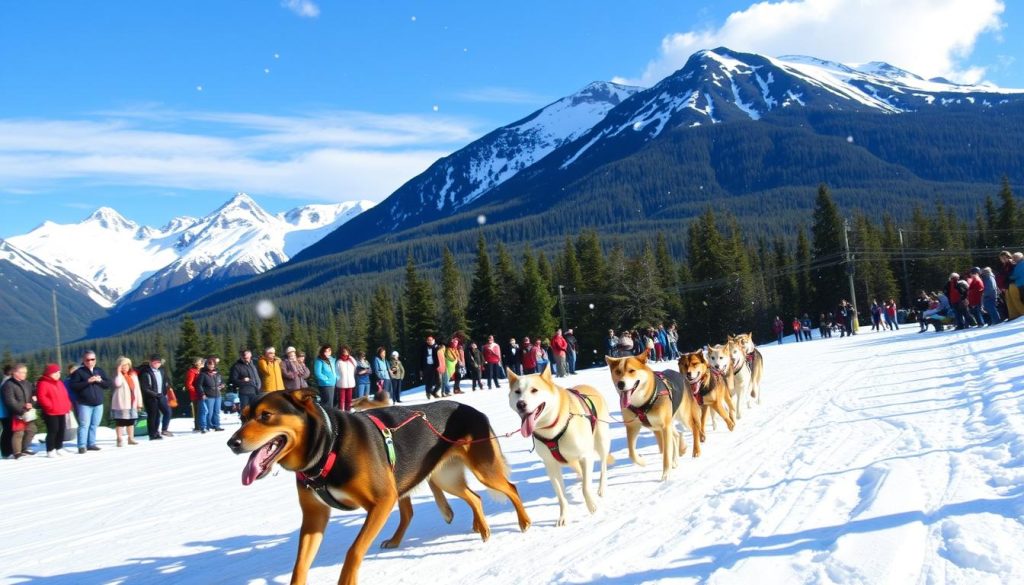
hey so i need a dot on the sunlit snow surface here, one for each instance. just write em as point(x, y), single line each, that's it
point(883, 458)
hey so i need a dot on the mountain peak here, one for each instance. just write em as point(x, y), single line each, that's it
point(109, 218)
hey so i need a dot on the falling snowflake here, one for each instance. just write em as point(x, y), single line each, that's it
point(591, 305)
point(481, 219)
point(638, 126)
point(413, 19)
point(465, 50)
point(199, 88)
point(265, 309)
point(849, 139)
point(436, 108)
point(277, 56)
point(266, 70)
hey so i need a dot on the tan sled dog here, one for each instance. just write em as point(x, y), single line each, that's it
point(709, 388)
point(755, 361)
point(568, 426)
point(720, 360)
point(654, 400)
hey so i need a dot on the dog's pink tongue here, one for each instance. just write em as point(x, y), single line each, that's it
point(254, 467)
point(624, 398)
point(529, 421)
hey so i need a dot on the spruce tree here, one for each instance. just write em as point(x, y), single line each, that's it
point(785, 282)
point(592, 314)
point(669, 277)
point(253, 341)
point(508, 300)
point(828, 278)
point(453, 297)
point(534, 312)
point(271, 334)
point(209, 344)
point(804, 289)
point(644, 304)
point(1007, 226)
point(188, 348)
point(359, 328)
point(382, 329)
point(419, 303)
point(482, 308)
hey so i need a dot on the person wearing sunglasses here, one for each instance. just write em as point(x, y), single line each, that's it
point(88, 383)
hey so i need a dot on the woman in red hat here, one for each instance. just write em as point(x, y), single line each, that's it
point(55, 404)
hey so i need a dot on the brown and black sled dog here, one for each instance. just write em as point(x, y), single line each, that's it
point(363, 460)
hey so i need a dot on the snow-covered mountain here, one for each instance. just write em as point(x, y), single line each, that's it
point(461, 178)
point(121, 261)
point(60, 277)
point(722, 85)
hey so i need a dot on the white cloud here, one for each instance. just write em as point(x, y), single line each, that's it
point(927, 37)
point(329, 156)
point(304, 8)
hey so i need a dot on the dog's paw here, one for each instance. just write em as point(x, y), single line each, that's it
point(696, 453)
point(390, 543)
point(561, 521)
point(592, 507)
point(664, 476)
point(640, 461)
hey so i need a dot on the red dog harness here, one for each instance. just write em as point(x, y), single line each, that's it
point(641, 411)
point(552, 443)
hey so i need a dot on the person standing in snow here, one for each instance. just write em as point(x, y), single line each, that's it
point(88, 383)
point(6, 450)
point(55, 404)
point(492, 359)
point(194, 396)
point(921, 304)
point(570, 355)
point(326, 375)
point(210, 386)
point(269, 365)
point(397, 372)
point(513, 358)
point(990, 297)
point(245, 378)
point(345, 367)
point(381, 372)
point(155, 382)
point(125, 401)
point(16, 393)
point(975, 292)
point(778, 329)
point(559, 347)
point(294, 370)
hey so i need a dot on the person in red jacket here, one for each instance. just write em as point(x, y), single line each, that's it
point(193, 394)
point(55, 404)
point(529, 357)
point(975, 290)
point(559, 346)
point(796, 328)
point(778, 328)
point(492, 359)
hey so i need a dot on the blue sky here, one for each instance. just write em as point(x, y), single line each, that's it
point(167, 108)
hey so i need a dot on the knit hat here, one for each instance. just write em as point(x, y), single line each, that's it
point(975, 270)
point(394, 354)
point(288, 350)
point(50, 369)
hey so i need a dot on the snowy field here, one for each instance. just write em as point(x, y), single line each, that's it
point(883, 458)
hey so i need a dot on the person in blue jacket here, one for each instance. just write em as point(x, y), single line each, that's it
point(381, 372)
point(6, 447)
point(325, 375)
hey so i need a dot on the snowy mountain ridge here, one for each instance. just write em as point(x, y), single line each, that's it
point(117, 260)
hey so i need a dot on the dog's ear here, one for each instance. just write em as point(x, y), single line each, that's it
point(304, 399)
point(751, 336)
point(643, 357)
point(243, 415)
point(610, 360)
point(546, 374)
point(512, 377)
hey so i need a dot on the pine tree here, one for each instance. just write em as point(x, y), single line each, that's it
point(482, 308)
point(644, 304)
point(209, 344)
point(271, 333)
point(786, 286)
point(508, 300)
point(253, 342)
point(534, 314)
point(804, 289)
point(228, 348)
point(382, 329)
point(296, 336)
point(828, 278)
point(669, 277)
point(1007, 226)
point(188, 348)
point(359, 328)
point(419, 303)
point(453, 297)
point(593, 313)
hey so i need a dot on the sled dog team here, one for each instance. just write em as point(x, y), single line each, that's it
point(373, 459)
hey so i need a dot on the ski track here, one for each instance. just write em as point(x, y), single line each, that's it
point(882, 458)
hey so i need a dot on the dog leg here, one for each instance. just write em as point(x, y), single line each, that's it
point(603, 444)
point(314, 520)
point(738, 402)
point(441, 501)
point(405, 516)
point(698, 433)
point(585, 467)
point(665, 438)
point(724, 413)
point(488, 465)
point(376, 516)
point(554, 470)
point(632, 431)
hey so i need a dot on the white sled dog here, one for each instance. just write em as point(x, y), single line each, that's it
point(568, 426)
point(754, 360)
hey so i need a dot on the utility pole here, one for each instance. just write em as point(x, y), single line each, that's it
point(561, 305)
point(56, 329)
point(906, 281)
point(849, 270)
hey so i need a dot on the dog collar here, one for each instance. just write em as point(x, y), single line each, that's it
point(308, 479)
point(552, 443)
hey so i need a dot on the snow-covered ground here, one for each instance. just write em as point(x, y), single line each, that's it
point(883, 458)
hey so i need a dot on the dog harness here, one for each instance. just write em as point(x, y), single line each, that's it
point(552, 443)
point(699, 394)
point(667, 390)
point(317, 481)
point(389, 443)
